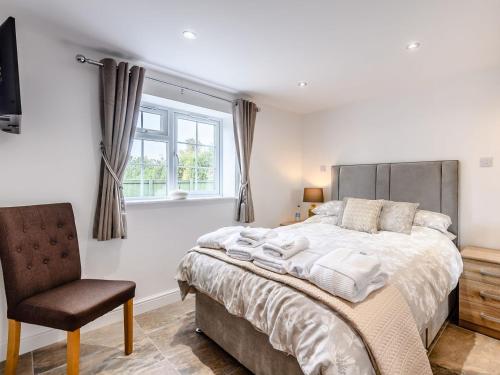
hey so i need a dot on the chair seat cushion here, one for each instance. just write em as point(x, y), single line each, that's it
point(72, 305)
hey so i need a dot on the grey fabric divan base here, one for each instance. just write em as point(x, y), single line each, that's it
point(238, 337)
point(252, 348)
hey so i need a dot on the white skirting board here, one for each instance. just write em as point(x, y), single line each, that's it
point(42, 336)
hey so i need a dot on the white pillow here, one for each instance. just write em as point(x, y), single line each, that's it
point(451, 236)
point(331, 208)
point(433, 220)
point(322, 219)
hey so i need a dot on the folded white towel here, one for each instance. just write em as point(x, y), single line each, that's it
point(257, 234)
point(300, 264)
point(349, 274)
point(245, 241)
point(241, 252)
point(269, 263)
point(284, 247)
point(220, 238)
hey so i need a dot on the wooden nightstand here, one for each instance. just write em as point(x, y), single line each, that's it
point(285, 223)
point(480, 291)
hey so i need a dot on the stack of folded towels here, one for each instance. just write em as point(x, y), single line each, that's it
point(276, 251)
point(221, 238)
point(349, 274)
point(249, 242)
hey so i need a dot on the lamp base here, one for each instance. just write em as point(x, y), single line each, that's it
point(310, 211)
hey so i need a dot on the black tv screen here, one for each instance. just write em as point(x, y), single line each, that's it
point(10, 96)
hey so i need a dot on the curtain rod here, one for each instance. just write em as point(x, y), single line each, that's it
point(82, 59)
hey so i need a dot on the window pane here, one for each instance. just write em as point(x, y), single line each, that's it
point(155, 169)
point(206, 187)
point(151, 121)
point(206, 134)
point(135, 154)
point(139, 120)
point(147, 170)
point(186, 131)
point(155, 152)
point(186, 154)
point(133, 171)
point(132, 180)
point(185, 178)
point(206, 179)
point(155, 181)
point(132, 188)
point(206, 156)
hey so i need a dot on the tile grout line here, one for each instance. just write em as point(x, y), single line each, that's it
point(165, 359)
point(155, 346)
point(147, 333)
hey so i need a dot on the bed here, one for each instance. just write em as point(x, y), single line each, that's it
point(254, 336)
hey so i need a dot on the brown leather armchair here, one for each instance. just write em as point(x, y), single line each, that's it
point(43, 285)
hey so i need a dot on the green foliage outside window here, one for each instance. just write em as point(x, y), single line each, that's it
point(155, 171)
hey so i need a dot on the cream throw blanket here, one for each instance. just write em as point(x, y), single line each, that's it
point(383, 321)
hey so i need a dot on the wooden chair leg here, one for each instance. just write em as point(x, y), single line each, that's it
point(128, 325)
point(73, 353)
point(13, 347)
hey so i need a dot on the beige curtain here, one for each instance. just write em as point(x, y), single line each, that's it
point(244, 114)
point(121, 92)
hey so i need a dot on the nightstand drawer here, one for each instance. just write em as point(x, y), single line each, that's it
point(480, 315)
point(481, 271)
point(480, 293)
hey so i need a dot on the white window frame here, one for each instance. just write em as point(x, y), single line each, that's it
point(217, 146)
point(168, 135)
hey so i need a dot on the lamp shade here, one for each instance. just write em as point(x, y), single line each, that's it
point(313, 195)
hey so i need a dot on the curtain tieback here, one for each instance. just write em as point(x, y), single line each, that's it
point(243, 189)
point(115, 177)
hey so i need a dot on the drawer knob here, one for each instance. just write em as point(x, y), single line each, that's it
point(490, 318)
point(486, 294)
point(489, 273)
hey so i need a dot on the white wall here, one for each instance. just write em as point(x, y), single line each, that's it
point(458, 119)
point(56, 159)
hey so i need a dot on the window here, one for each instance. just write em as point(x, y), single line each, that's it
point(172, 150)
point(197, 154)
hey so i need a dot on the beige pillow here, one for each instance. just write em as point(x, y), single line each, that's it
point(361, 214)
point(397, 216)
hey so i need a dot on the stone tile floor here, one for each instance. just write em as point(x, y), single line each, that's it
point(165, 343)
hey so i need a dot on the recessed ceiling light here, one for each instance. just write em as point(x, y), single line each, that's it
point(412, 46)
point(189, 34)
point(302, 84)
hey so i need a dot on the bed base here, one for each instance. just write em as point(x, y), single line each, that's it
point(252, 348)
point(241, 340)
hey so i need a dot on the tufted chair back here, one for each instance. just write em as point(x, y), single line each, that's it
point(38, 249)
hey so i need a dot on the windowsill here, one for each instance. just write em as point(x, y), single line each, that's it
point(190, 200)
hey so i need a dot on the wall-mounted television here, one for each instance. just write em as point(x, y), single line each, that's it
point(10, 95)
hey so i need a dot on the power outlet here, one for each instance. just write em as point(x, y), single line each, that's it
point(486, 162)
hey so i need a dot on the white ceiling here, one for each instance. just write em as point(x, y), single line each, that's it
point(346, 50)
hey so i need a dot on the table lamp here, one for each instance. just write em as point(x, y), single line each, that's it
point(313, 195)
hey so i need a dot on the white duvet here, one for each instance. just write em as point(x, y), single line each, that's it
point(424, 266)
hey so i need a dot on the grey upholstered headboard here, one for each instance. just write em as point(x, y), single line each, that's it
point(433, 184)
